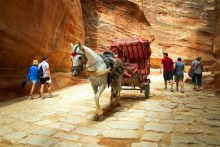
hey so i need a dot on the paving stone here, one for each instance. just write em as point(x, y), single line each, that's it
point(211, 122)
point(5, 130)
point(45, 131)
point(79, 113)
point(31, 119)
point(192, 129)
point(195, 106)
point(185, 117)
point(68, 144)
point(128, 119)
point(209, 139)
point(144, 144)
point(73, 120)
point(158, 127)
point(152, 114)
point(89, 139)
point(169, 105)
point(178, 121)
point(184, 138)
point(158, 108)
point(211, 116)
point(120, 134)
point(183, 108)
point(149, 119)
point(62, 126)
point(187, 113)
point(124, 125)
point(42, 141)
point(67, 136)
point(16, 136)
point(43, 122)
point(164, 115)
point(136, 115)
point(7, 120)
point(87, 131)
point(152, 136)
point(122, 114)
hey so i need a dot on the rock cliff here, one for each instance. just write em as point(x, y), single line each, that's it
point(30, 29)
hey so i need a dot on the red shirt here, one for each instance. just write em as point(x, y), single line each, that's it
point(167, 64)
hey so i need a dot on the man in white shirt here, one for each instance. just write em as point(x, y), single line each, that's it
point(46, 78)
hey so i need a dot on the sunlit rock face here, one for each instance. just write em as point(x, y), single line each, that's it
point(183, 28)
point(105, 21)
point(31, 29)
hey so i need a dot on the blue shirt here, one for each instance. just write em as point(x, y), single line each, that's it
point(33, 74)
point(179, 68)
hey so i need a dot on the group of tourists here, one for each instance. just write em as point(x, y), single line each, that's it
point(176, 70)
point(39, 73)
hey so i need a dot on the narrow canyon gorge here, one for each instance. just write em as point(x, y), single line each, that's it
point(31, 29)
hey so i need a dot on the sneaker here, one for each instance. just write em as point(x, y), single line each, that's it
point(30, 97)
point(182, 91)
point(43, 97)
point(171, 90)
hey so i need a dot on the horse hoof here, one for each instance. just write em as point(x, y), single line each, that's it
point(96, 117)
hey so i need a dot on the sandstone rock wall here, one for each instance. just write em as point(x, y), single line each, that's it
point(30, 29)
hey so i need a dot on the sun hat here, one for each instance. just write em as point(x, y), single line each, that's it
point(198, 58)
point(35, 62)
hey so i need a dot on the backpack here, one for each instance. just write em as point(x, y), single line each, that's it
point(40, 71)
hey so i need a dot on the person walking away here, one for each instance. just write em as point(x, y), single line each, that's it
point(33, 77)
point(167, 66)
point(197, 76)
point(179, 66)
point(45, 79)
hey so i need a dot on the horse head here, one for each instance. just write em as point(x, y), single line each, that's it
point(77, 59)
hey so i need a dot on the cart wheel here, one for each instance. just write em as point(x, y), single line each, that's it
point(147, 91)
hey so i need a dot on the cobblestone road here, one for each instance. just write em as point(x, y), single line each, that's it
point(166, 119)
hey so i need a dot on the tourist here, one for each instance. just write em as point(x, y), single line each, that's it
point(167, 66)
point(33, 77)
point(179, 75)
point(197, 76)
point(45, 79)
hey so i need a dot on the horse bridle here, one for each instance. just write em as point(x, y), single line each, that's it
point(81, 67)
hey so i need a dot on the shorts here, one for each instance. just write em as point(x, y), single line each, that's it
point(43, 80)
point(33, 81)
point(168, 75)
point(179, 77)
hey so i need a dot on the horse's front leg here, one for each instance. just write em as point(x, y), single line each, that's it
point(101, 88)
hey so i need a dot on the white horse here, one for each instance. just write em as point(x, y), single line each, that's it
point(84, 58)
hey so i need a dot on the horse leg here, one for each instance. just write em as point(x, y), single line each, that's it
point(112, 98)
point(99, 111)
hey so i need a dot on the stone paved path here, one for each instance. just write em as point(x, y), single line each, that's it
point(166, 119)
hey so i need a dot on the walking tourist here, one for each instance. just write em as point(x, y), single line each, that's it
point(179, 75)
point(167, 66)
point(45, 77)
point(197, 76)
point(33, 77)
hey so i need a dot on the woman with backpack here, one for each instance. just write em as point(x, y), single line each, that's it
point(33, 77)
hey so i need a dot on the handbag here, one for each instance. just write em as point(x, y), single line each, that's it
point(191, 71)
